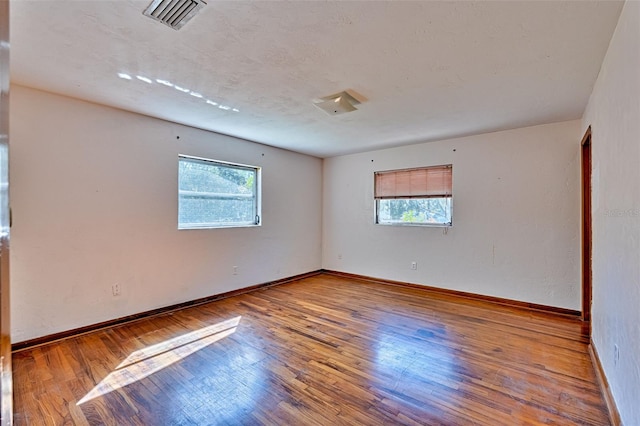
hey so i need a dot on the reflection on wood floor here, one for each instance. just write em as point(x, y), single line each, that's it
point(321, 350)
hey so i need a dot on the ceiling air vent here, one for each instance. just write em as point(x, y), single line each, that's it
point(173, 13)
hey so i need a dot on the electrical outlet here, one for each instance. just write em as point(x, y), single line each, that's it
point(414, 265)
point(616, 354)
point(235, 270)
point(340, 256)
point(115, 289)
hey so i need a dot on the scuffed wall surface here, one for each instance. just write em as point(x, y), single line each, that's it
point(94, 198)
point(515, 233)
point(613, 113)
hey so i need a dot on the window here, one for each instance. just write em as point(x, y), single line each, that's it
point(420, 196)
point(215, 194)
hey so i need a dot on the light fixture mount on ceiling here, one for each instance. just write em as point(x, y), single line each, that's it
point(339, 103)
point(173, 13)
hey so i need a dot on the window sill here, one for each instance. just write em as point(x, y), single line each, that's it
point(423, 225)
point(216, 226)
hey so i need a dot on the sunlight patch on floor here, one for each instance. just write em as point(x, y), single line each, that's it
point(145, 362)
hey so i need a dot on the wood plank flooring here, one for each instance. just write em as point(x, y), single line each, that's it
point(319, 351)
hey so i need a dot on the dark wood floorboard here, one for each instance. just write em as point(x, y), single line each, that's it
point(322, 350)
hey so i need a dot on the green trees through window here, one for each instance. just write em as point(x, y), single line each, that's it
point(418, 196)
point(424, 211)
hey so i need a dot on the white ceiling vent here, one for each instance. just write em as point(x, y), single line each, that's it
point(340, 103)
point(173, 13)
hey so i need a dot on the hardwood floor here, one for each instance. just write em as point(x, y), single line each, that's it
point(322, 350)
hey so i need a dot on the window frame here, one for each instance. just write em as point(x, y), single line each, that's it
point(230, 165)
point(377, 199)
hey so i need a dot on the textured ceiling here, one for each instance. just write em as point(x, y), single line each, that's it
point(429, 70)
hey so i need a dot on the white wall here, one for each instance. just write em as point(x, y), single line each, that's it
point(614, 115)
point(94, 198)
point(516, 211)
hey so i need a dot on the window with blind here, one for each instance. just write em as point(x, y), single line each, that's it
point(215, 194)
point(420, 196)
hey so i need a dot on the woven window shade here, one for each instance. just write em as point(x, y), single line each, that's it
point(425, 182)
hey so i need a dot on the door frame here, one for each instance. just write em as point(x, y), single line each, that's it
point(587, 243)
point(6, 377)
